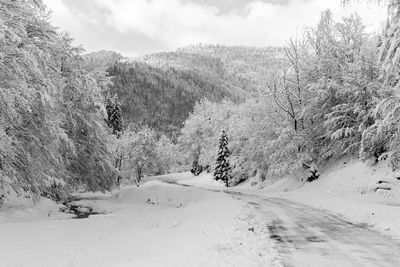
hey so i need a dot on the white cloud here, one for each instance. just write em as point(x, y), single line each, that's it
point(168, 24)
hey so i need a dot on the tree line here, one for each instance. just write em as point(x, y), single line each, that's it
point(53, 137)
point(330, 93)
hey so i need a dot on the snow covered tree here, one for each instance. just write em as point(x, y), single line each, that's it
point(139, 151)
point(381, 140)
point(352, 84)
point(222, 170)
point(51, 110)
point(167, 154)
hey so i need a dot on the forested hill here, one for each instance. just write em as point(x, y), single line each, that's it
point(160, 90)
point(241, 66)
point(101, 60)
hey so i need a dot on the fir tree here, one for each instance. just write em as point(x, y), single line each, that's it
point(223, 171)
point(117, 120)
point(114, 112)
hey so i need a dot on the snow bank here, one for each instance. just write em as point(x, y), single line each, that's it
point(24, 209)
point(348, 188)
point(204, 179)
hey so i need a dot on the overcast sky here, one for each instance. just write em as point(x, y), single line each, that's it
point(137, 27)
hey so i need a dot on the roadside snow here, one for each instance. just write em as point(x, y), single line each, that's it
point(347, 188)
point(156, 224)
point(17, 209)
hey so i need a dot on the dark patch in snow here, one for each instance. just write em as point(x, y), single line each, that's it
point(253, 203)
point(314, 239)
point(277, 233)
point(151, 202)
point(81, 212)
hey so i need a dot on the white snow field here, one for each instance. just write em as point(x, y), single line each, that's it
point(181, 220)
point(157, 224)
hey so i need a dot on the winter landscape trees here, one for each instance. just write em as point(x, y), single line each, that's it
point(328, 93)
point(320, 102)
point(51, 111)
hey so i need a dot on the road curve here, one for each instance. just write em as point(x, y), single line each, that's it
point(306, 236)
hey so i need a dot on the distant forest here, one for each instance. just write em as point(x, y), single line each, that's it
point(160, 90)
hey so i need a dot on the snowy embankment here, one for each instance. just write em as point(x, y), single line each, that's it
point(157, 224)
point(349, 189)
point(346, 188)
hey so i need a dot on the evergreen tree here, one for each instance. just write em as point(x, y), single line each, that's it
point(117, 120)
point(223, 171)
point(114, 113)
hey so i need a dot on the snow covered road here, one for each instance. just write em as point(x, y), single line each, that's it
point(306, 236)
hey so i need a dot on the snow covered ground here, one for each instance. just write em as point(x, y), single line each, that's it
point(157, 224)
point(324, 223)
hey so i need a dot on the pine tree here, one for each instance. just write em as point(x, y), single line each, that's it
point(114, 112)
point(223, 171)
point(117, 120)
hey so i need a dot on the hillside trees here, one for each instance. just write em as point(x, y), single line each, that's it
point(162, 98)
point(382, 138)
point(346, 86)
point(318, 104)
point(325, 90)
point(51, 111)
point(114, 115)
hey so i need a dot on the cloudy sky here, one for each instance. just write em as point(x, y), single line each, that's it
point(136, 27)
